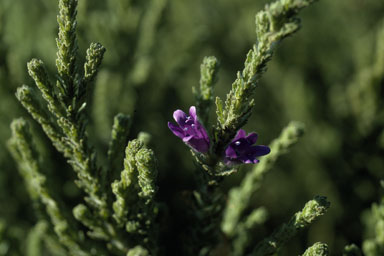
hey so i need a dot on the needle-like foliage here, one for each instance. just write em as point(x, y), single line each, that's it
point(96, 187)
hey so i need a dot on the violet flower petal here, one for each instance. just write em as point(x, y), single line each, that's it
point(190, 130)
point(188, 138)
point(192, 112)
point(180, 117)
point(240, 134)
point(261, 150)
point(252, 138)
point(176, 130)
point(230, 152)
point(199, 144)
point(242, 150)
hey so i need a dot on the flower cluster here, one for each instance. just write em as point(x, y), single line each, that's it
point(240, 150)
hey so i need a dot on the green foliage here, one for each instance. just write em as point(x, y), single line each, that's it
point(363, 92)
point(98, 105)
point(374, 244)
point(352, 250)
point(134, 206)
point(245, 229)
point(318, 249)
point(119, 137)
point(204, 95)
point(24, 152)
point(311, 211)
point(275, 23)
point(64, 121)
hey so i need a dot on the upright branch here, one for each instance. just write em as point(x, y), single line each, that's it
point(63, 118)
point(205, 93)
point(38, 72)
point(118, 142)
point(65, 121)
point(311, 212)
point(94, 57)
point(277, 21)
point(134, 208)
point(29, 99)
point(22, 149)
point(67, 49)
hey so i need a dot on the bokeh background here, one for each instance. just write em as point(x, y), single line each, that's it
point(330, 76)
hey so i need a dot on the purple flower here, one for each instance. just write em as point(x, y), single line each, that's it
point(190, 130)
point(240, 150)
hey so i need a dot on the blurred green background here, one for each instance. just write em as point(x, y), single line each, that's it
point(330, 76)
